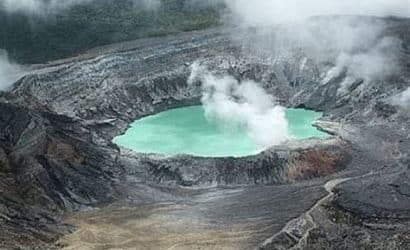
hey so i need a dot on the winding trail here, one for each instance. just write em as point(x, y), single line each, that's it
point(297, 230)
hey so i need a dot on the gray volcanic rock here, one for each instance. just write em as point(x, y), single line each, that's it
point(382, 196)
point(46, 169)
point(304, 160)
point(56, 154)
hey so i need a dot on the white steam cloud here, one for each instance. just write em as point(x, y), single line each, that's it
point(272, 12)
point(39, 7)
point(241, 104)
point(331, 32)
point(45, 7)
point(9, 72)
point(403, 100)
point(355, 46)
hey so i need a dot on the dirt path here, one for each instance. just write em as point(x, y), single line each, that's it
point(297, 230)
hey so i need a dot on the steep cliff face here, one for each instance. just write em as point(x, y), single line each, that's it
point(46, 168)
point(57, 124)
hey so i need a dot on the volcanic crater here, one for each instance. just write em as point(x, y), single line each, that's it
point(66, 184)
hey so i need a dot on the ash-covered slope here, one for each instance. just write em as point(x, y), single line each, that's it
point(57, 156)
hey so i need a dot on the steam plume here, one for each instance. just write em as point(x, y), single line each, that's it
point(38, 7)
point(45, 7)
point(9, 72)
point(354, 45)
point(403, 100)
point(242, 104)
point(272, 12)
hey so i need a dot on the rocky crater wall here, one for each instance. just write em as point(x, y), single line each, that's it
point(57, 124)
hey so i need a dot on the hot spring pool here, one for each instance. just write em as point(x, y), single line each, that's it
point(187, 131)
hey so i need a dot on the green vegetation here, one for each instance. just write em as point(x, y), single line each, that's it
point(36, 39)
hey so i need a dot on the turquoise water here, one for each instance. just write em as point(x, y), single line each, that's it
point(187, 131)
